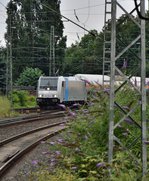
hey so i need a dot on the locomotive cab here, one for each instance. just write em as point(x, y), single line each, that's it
point(47, 91)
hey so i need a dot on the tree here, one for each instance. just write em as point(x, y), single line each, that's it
point(28, 34)
point(85, 56)
point(29, 77)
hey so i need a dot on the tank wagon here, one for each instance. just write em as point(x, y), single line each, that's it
point(93, 81)
point(56, 90)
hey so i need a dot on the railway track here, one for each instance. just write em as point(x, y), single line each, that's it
point(28, 110)
point(14, 146)
point(34, 110)
point(31, 117)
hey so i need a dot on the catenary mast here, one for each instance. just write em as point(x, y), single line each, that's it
point(111, 57)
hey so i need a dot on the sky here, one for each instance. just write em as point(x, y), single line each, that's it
point(90, 14)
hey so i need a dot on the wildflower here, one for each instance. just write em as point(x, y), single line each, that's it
point(75, 105)
point(86, 81)
point(126, 108)
point(74, 168)
point(52, 143)
point(62, 106)
point(70, 113)
point(125, 134)
point(147, 83)
point(129, 121)
point(100, 164)
point(52, 160)
point(45, 152)
point(60, 140)
point(146, 142)
point(106, 90)
point(34, 162)
point(57, 152)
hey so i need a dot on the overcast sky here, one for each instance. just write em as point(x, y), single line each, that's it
point(90, 15)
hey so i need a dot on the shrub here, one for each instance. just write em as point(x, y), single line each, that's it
point(22, 98)
point(4, 107)
point(83, 148)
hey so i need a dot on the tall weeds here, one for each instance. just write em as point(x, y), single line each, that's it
point(4, 107)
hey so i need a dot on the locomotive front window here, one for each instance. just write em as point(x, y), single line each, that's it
point(48, 84)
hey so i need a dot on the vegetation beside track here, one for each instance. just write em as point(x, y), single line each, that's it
point(5, 107)
point(23, 98)
point(20, 99)
point(82, 153)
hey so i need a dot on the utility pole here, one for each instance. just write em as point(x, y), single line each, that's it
point(52, 52)
point(10, 62)
point(111, 56)
point(7, 72)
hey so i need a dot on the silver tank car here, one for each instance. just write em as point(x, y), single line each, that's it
point(55, 90)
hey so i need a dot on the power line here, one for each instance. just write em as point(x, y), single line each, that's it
point(68, 19)
point(138, 12)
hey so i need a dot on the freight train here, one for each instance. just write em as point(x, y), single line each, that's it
point(52, 91)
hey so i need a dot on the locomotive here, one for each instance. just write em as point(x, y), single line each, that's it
point(52, 91)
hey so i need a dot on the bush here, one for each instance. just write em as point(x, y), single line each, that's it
point(29, 77)
point(4, 107)
point(22, 98)
point(83, 148)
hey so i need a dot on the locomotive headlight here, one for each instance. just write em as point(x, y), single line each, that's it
point(55, 95)
point(40, 95)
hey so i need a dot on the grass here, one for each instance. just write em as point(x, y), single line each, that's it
point(5, 108)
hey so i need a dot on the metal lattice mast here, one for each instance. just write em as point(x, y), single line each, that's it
point(116, 71)
point(52, 52)
point(107, 41)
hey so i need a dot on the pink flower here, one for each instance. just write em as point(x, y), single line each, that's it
point(62, 106)
point(70, 113)
point(146, 142)
point(74, 168)
point(52, 143)
point(100, 164)
point(34, 162)
point(129, 121)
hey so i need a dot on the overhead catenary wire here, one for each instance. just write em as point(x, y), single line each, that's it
point(138, 11)
point(68, 19)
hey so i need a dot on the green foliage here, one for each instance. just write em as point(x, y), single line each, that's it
point(82, 151)
point(29, 77)
point(86, 56)
point(58, 175)
point(4, 107)
point(30, 38)
point(23, 99)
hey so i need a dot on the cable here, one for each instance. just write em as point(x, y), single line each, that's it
point(68, 19)
point(138, 12)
